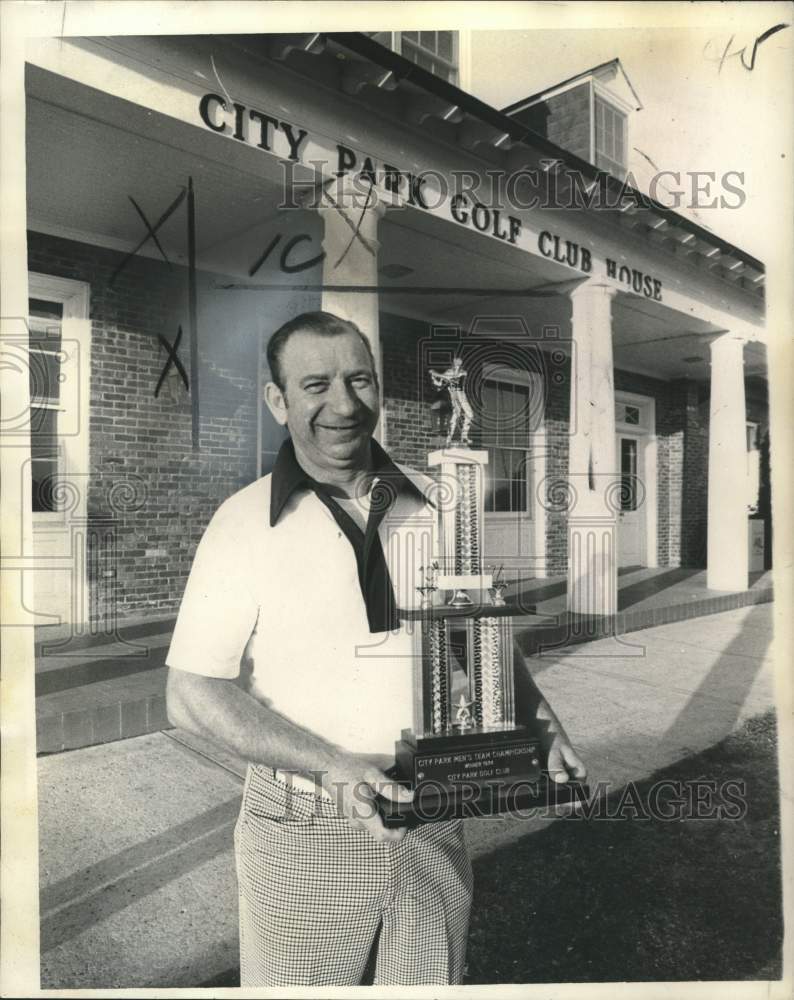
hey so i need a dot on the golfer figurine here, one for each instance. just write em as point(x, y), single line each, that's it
point(462, 413)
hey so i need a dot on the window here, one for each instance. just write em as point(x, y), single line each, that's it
point(631, 414)
point(503, 429)
point(46, 356)
point(610, 138)
point(436, 51)
point(628, 474)
point(57, 356)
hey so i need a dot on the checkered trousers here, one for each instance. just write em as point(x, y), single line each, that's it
point(315, 894)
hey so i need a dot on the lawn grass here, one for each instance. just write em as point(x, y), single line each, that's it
point(633, 899)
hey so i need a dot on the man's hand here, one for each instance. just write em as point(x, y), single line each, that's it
point(208, 706)
point(534, 711)
point(353, 781)
point(564, 762)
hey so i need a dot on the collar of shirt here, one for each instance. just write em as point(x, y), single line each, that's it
point(288, 476)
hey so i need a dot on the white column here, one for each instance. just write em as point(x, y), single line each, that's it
point(350, 243)
point(592, 464)
point(727, 558)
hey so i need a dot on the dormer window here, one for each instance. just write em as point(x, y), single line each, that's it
point(610, 137)
point(587, 115)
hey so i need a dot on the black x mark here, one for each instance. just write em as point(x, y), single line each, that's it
point(173, 359)
point(356, 228)
point(151, 231)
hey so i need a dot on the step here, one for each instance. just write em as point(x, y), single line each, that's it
point(102, 686)
point(102, 711)
point(555, 630)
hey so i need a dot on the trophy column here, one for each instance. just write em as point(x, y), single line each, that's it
point(462, 518)
point(488, 639)
point(465, 746)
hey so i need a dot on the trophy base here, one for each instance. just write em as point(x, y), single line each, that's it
point(479, 772)
point(472, 754)
point(468, 800)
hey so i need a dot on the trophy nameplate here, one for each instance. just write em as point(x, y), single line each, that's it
point(465, 755)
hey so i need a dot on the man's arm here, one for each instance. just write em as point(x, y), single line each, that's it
point(216, 619)
point(533, 709)
point(219, 710)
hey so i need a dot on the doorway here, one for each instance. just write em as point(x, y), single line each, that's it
point(59, 338)
point(636, 460)
point(510, 427)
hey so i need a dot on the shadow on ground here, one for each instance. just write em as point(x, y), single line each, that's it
point(639, 899)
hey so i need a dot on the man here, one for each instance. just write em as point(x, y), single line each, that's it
point(296, 576)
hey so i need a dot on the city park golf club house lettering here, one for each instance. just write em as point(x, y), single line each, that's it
point(567, 252)
point(256, 127)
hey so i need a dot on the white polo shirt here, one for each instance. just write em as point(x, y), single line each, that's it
point(289, 597)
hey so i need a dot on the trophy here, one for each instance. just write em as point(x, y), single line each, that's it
point(465, 754)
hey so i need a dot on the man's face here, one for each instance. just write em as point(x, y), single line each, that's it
point(330, 399)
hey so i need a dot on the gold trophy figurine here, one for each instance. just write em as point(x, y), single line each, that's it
point(462, 413)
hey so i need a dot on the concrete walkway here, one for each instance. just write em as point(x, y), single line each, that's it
point(108, 682)
point(137, 873)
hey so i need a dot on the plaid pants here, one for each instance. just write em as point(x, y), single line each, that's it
point(315, 894)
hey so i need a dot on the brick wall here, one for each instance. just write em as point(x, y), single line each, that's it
point(555, 497)
point(407, 397)
point(693, 442)
point(694, 472)
point(145, 483)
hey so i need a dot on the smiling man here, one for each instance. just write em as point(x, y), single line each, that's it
point(295, 577)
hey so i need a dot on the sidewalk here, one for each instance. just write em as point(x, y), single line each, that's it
point(110, 685)
point(135, 836)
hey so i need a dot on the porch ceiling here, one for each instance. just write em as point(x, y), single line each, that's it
point(103, 165)
point(492, 288)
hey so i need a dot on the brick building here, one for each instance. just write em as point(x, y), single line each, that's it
point(208, 188)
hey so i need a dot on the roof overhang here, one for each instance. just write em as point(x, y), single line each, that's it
point(420, 121)
point(393, 86)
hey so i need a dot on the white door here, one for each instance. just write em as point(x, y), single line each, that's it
point(508, 527)
point(58, 345)
point(632, 513)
